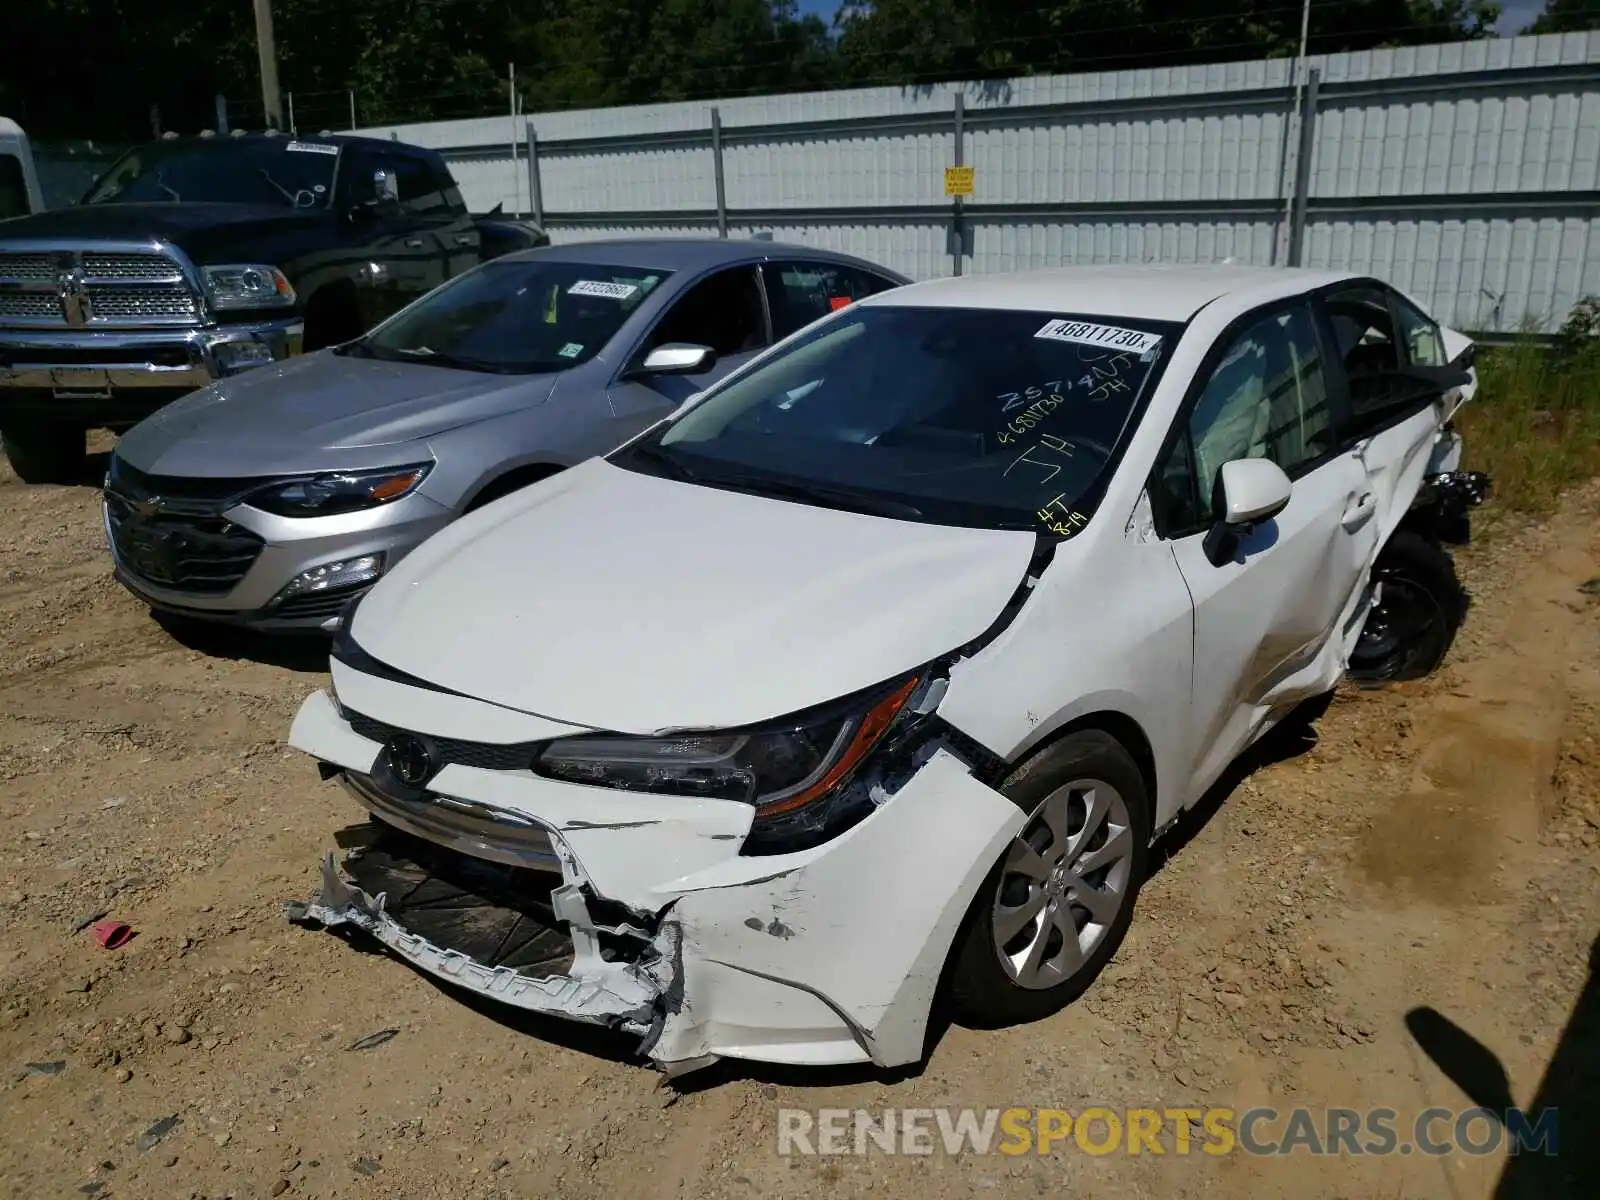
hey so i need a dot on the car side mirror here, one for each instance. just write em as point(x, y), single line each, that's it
point(1248, 492)
point(383, 198)
point(678, 358)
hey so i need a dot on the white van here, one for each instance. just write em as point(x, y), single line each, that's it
point(19, 182)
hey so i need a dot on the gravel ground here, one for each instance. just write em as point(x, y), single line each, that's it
point(1431, 844)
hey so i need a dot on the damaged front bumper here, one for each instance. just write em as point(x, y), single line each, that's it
point(654, 923)
point(624, 996)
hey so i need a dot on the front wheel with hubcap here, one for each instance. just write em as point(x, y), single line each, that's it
point(1055, 908)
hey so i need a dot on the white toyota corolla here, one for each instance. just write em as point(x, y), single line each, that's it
point(879, 666)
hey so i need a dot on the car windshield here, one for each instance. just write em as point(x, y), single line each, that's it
point(515, 316)
point(976, 417)
point(279, 171)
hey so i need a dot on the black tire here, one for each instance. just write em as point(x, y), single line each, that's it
point(1421, 607)
point(46, 451)
point(982, 991)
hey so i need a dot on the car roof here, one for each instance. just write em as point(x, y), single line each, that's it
point(1149, 291)
point(682, 253)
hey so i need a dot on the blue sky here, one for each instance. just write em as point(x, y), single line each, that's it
point(1514, 13)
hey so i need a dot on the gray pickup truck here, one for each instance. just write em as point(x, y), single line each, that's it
point(192, 259)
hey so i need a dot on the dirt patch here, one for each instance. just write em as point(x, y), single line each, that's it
point(1429, 845)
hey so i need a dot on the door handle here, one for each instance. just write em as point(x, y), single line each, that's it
point(414, 243)
point(463, 239)
point(1359, 513)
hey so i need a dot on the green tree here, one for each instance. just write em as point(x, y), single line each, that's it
point(1567, 16)
point(897, 40)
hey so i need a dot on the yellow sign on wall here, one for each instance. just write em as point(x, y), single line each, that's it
point(958, 180)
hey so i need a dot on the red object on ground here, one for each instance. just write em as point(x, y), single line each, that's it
point(111, 933)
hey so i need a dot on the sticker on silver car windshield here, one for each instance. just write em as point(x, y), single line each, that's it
point(312, 148)
point(594, 287)
point(1085, 334)
point(571, 350)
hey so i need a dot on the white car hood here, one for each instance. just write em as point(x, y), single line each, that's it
point(615, 600)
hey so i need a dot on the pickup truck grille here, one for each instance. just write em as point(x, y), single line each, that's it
point(66, 287)
point(28, 304)
point(113, 304)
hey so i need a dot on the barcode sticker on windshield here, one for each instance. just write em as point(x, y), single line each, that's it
point(312, 148)
point(611, 291)
point(1110, 336)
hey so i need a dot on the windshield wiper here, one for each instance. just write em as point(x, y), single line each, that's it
point(439, 358)
point(818, 494)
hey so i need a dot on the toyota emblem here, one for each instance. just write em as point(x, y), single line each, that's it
point(408, 759)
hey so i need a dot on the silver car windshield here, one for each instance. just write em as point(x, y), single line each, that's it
point(977, 417)
point(515, 317)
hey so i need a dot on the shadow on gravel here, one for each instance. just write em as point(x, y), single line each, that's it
point(306, 653)
point(1566, 1165)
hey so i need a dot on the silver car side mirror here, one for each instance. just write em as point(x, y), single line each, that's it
point(678, 358)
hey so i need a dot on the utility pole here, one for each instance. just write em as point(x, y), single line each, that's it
point(267, 52)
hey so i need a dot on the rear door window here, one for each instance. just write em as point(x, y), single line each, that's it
point(723, 311)
point(802, 292)
point(1373, 352)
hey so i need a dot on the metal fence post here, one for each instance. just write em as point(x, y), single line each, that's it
point(1302, 169)
point(535, 184)
point(716, 161)
point(958, 231)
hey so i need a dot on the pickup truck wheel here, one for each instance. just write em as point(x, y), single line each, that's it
point(46, 451)
point(1054, 909)
point(1421, 605)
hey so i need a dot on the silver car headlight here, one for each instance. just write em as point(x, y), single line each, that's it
point(339, 492)
point(235, 286)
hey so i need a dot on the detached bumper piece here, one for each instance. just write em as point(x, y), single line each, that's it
point(1445, 501)
point(520, 937)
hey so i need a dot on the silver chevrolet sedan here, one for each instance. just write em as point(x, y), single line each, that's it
point(272, 499)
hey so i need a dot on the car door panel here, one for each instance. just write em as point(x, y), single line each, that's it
point(1393, 430)
point(1269, 621)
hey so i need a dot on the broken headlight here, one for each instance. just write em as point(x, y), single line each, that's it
point(779, 768)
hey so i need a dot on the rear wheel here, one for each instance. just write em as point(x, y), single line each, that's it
point(46, 451)
point(1420, 607)
point(1055, 908)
